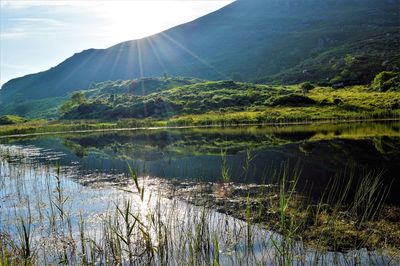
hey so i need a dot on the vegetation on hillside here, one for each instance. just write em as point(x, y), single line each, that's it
point(284, 42)
point(350, 64)
point(221, 102)
point(43, 108)
point(11, 120)
point(177, 101)
point(387, 81)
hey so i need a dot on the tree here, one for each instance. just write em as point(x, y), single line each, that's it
point(76, 99)
point(386, 80)
point(111, 99)
point(306, 87)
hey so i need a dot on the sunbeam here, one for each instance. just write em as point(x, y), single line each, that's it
point(198, 58)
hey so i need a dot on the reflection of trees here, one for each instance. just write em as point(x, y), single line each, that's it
point(75, 148)
point(387, 146)
point(158, 144)
point(195, 153)
point(294, 136)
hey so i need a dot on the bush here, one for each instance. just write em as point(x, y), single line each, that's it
point(306, 87)
point(387, 80)
point(11, 120)
point(290, 100)
point(337, 101)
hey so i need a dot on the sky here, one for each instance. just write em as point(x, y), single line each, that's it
point(37, 35)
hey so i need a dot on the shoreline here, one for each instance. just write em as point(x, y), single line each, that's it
point(271, 124)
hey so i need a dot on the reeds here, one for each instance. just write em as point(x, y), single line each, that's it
point(141, 227)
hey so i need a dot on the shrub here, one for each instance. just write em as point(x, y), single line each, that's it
point(387, 80)
point(324, 102)
point(11, 120)
point(306, 87)
point(290, 100)
point(337, 101)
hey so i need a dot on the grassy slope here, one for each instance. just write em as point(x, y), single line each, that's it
point(352, 63)
point(44, 126)
point(11, 120)
point(224, 102)
point(356, 103)
point(43, 108)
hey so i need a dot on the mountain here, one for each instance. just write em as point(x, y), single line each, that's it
point(264, 40)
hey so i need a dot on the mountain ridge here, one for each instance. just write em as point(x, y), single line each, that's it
point(246, 40)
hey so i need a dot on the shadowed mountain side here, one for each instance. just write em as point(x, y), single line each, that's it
point(248, 39)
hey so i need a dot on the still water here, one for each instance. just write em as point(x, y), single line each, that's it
point(94, 167)
point(318, 152)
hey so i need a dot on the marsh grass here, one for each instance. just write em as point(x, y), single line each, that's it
point(225, 170)
point(140, 227)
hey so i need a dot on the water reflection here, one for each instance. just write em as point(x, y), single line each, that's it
point(321, 151)
point(31, 190)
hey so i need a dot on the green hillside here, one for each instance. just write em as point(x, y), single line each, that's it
point(232, 102)
point(11, 120)
point(353, 63)
point(325, 42)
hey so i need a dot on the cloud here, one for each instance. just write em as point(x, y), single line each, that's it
point(14, 34)
point(30, 3)
point(23, 27)
point(27, 3)
point(48, 21)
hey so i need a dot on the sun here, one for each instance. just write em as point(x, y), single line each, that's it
point(138, 19)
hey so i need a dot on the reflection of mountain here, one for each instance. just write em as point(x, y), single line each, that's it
point(294, 136)
point(154, 145)
point(196, 153)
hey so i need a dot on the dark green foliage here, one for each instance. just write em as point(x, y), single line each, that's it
point(356, 62)
point(387, 81)
point(189, 99)
point(11, 120)
point(78, 98)
point(87, 110)
point(141, 108)
point(140, 86)
point(146, 86)
point(290, 100)
point(306, 87)
point(337, 101)
point(222, 99)
point(43, 108)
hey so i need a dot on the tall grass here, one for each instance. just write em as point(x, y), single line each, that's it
point(140, 227)
point(225, 174)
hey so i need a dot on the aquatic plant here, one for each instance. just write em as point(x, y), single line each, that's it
point(142, 227)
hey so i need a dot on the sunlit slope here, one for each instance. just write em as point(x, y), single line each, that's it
point(246, 40)
point(219, 102)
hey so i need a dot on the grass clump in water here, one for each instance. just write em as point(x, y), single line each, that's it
point(139, 230)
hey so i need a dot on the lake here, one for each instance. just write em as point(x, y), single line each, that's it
point(88, 175)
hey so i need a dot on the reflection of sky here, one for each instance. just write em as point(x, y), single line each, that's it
point(30, 192)
point(36, 35)
point(319, 152)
